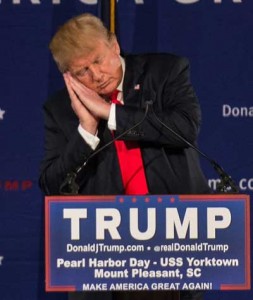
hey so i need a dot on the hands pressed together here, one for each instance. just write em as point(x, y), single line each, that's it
point(89, 106)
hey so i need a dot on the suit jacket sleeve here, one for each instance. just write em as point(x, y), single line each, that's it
point(65, 149)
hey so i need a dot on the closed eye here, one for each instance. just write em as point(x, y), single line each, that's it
point(98, 61)
point(82, 72)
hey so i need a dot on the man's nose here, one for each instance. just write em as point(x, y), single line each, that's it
point(96, 73)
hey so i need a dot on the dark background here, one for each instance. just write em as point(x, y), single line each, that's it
point(216, 37)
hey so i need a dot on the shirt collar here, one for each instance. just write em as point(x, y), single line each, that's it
point(123, 64)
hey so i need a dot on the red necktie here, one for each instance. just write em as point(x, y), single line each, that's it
point(131, 164)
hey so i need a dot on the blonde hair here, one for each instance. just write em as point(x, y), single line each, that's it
point(77, 37)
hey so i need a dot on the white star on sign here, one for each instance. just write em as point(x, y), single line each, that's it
point(2, 112)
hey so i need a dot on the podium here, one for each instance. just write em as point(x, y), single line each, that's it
point(147, 243)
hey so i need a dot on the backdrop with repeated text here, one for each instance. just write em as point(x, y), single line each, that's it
point(213, 34)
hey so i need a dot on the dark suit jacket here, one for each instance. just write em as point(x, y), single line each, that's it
point(171, 166)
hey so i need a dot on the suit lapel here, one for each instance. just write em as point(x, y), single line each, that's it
point(138, 84)
point(132, 85)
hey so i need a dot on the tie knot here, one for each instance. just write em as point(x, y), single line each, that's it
point(114, 96)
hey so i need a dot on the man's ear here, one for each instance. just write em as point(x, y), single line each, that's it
point(115, 45)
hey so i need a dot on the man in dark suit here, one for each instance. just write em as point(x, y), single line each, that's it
point(82, 119)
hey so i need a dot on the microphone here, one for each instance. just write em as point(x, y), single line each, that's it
point(226, 183)
point(69, 185)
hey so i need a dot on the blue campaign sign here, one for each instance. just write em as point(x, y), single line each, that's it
point(158, 242)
